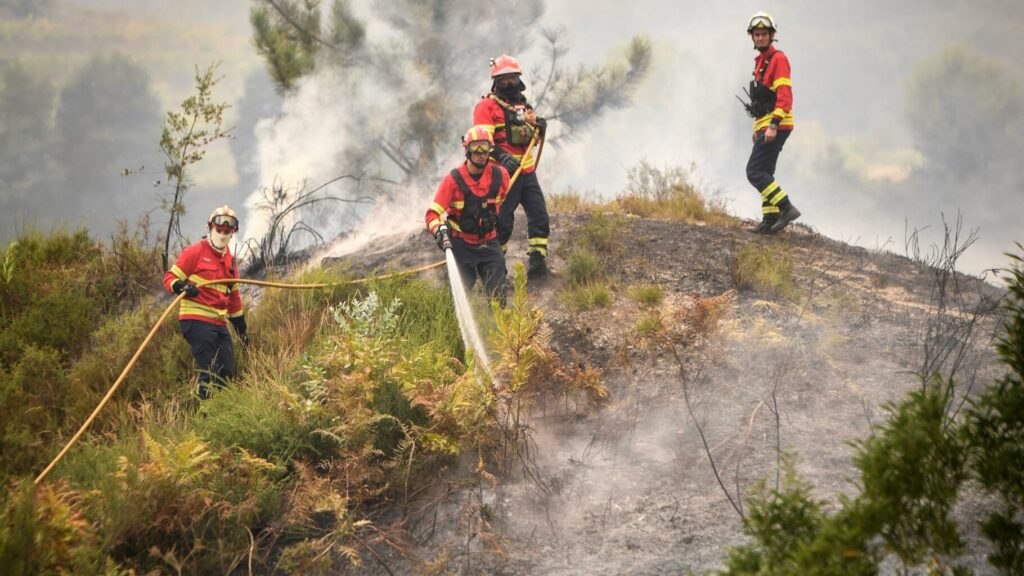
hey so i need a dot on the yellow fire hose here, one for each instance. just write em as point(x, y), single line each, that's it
point(170, 307)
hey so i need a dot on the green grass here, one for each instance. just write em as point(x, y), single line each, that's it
point(587, 296)
point(765, 268)
point(647, 294)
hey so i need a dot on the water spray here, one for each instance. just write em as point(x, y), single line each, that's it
point(463, 312)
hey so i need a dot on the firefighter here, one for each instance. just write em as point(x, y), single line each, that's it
point(771, 106)
point(205, 311)
point(464, 213)
point(513, 122)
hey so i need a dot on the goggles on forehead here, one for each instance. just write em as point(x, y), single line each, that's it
point(225, 224)
point(479, 146)
point(761, 23)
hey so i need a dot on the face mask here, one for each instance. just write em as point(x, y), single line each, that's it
point(219, 240)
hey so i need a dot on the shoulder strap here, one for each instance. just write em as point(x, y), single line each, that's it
point(764, 66)
point(466, 192)
point(495, 182)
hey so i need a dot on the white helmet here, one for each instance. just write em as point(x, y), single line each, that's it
point(761, 21)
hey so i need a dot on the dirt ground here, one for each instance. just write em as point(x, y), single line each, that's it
point(629, 488)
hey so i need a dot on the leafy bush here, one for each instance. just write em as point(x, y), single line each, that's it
point(994, 431)
point(32, 400)
point(44, 531)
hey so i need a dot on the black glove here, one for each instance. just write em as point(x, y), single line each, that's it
point(241, 329)
point(443, 237)
point(190, 289)
point(508, 161)
point(542, 125)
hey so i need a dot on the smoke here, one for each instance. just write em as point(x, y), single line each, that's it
point(855, 165)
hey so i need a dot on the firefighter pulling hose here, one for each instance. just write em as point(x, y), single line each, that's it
point(183, 293)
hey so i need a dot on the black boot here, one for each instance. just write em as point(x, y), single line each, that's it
point(765, 227)
point(538, 266)
point(788, 214)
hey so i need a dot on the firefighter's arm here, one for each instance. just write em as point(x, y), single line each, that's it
point(437, 213)
point(782, 84)
point(176, 279)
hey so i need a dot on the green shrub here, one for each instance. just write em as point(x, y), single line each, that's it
point(994, 431)
point(157, 373)
point(584, 267)
point(648, 294)
point(31, 410)
point(649, 325)
point(43, 531)
point(766, 268)
point(580, 297)
point(266, 418)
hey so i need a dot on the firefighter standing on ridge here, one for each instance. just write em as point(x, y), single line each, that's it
point(465, 211)
point(771, 105)
point(513, 122)
point(205, 311)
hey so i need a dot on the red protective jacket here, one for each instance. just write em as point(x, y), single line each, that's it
point(490, 114)
point(215, 303)
point(449, 201)
point(777, 78)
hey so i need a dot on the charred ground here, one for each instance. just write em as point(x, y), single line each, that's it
point(802, 365)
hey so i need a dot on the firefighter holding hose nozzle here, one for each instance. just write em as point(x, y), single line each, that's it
point(463, 217)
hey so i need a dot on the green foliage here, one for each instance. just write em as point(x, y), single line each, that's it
point(584, 267)
point(32, 400)
point(184, 505)
point(580, 297)
point(647, 294)
point(265, 417)
point(185, 137)
point(911, 471)
point(994, 430)
point(43, 531)
point(780, 521)
point(766, 268)
point(650, 324)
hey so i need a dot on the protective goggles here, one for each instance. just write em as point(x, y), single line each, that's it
point(479, 146)
point(225, 224)
point(760, 23)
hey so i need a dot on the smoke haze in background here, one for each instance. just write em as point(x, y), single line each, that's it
point(857, 167)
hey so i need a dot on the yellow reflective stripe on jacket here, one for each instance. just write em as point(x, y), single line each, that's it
point(458, 205)
point(236, 314)
point(764, 121)
point(454, 225)
point(196, 279)
point(491, 127)
point(191, 308)
point(781, 82)
point(178, 272)
point(433, 224)
point(437, 208)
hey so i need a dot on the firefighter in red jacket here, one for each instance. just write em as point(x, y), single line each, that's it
point(513, 122)
point(771, 106)
point(464, 213)
point(205, 311)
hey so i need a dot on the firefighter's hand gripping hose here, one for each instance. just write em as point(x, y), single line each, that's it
point(167, 311)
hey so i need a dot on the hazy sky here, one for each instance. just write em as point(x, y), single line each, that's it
point(851, 63)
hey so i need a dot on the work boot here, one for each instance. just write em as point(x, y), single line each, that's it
point(788, 214)
point(538, 266)
point(765, 227)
